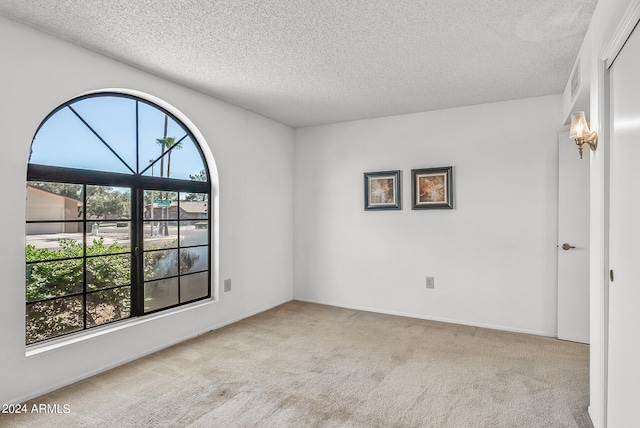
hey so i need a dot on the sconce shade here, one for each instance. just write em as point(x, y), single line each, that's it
point(579, 128)
point(580, 132)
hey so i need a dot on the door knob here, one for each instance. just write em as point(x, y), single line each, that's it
point(566, 246)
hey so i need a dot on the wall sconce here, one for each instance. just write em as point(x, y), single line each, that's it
point(580, 132)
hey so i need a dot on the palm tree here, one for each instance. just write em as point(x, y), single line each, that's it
point(171, 146)
point(167, 144)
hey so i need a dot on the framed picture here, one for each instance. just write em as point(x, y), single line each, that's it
point(382, 190)
point(431, 188)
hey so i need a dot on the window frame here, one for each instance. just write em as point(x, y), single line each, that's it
point(138, 184)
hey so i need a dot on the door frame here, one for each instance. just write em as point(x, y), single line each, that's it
point(600, 185)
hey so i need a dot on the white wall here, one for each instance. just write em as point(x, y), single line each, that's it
point(255, 215)
point(493, 256)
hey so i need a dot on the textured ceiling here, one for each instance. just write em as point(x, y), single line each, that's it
point(305, 62)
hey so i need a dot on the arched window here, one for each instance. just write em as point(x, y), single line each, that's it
point(118, 215)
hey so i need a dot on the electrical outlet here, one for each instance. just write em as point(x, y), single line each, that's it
point(227, 285)
point(431, 282)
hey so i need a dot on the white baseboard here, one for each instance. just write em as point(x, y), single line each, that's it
point(593, 424)
point(167, 344)
point(424, 317)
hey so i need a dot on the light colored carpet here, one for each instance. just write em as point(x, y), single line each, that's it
point(303, 364)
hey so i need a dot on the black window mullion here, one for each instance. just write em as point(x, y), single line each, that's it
point(101, 139)
point(63, 259)
point(137, 265)
point(84, 257)
point(51, 299)
point(179, 258)
point(137, 139)
point(53, 221)
point(80, 176)
point(209, 246)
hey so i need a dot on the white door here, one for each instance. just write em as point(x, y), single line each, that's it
point(573, 242)
point(624, 245)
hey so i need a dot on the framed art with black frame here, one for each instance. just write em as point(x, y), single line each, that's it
point(382, 190)
point(432, 188)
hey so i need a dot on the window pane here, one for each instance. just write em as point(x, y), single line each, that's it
point(199, 176)
point(183, 161)
point(160, 294)
point(53, 318)
point(110, 203)
point(194, 206)
point(64, 134)
point(174, 129)
point(151, 129)
point(108, 305)
point(160, 264)
point(166, 165)
point(52, 279)
point(160, 205)
point(114, 119)
point(48, 241)
point(194, 259)
point(194, 286)
point(108, 237)
point(155, 238)
point(194, 233)
point(108, 271)
point(53, 201)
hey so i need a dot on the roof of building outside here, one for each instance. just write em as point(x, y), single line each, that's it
point(194, 207)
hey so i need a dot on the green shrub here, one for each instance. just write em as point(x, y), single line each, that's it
point(59, 273)
point(49, 276)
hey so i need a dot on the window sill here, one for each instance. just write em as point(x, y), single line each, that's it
point(53, 344)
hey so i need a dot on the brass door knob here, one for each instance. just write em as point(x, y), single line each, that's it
point(566, 246)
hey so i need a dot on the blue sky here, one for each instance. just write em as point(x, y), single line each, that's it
point(64, 140)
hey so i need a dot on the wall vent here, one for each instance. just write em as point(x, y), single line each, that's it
point(431, 282)
point(575, 80)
